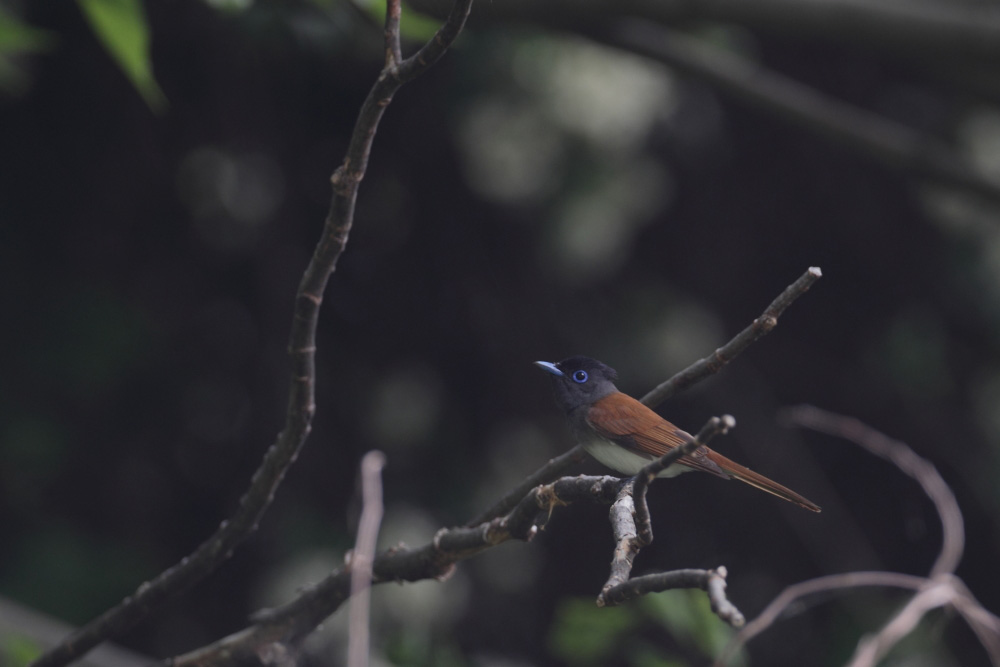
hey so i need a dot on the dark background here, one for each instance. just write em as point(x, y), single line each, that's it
point(148, 264)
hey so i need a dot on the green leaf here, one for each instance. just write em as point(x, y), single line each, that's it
point(585, 634)
point(17, 651)
point(121, 27)
point(688, 616)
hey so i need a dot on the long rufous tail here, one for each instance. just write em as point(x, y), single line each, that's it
point(748, 476)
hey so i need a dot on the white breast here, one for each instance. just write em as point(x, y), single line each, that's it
point(623, 461)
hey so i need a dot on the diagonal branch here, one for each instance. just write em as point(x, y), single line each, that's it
point(287, 624)
point(694, 373)
point(276, 629)
point(518, 515)
point(938, 29)
point(302, 352)
point(543, 475)
point(759, 328)
point(891, 143)
point(940, 588)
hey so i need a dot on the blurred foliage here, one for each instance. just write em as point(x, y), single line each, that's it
point(536, 195)
point(76, 567)
point(585, 634)
point(416, 650)
point(688, 616)
point(16, 40)
point(17, 651)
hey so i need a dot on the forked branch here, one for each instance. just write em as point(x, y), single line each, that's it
point(301, 349)
point(941, 588)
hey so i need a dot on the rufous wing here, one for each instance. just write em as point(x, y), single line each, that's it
point(630, 424)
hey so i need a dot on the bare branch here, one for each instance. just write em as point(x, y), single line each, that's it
point(760, 327)
point(627, 542)
point(798, 591)
point(941, 588)
point(711, 581)
point(287, 624)
point(393, 49)
point(904, 458)
point(721, 605)
point(362, 557)
point(920, 28)
point(432, 51)
point(893, 144)
point(518, 515)
point(301, 349)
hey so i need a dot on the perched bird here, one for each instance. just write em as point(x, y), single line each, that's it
point(625, 435)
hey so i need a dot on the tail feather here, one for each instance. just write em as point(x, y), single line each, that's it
point(757, 480)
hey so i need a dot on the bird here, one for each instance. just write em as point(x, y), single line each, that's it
point(625, 435)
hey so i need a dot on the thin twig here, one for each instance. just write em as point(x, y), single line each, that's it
point(623, 516)
point(712, 582)
point(721, 605)
point(939, 589)
point(760, 327)
point(362, 557)
point(904, 458)
point(940, 586)
point(795, 592)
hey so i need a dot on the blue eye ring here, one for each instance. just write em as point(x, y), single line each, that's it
point(580, 377)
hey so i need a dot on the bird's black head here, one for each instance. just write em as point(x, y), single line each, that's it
point(580, 381)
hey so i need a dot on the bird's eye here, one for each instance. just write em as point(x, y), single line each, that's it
point(580, 376)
